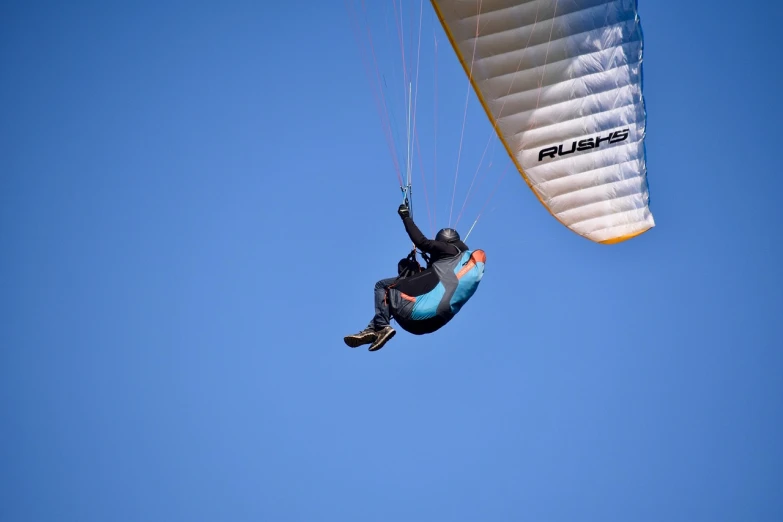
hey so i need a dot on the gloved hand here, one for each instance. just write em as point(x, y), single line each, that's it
point(404, 211)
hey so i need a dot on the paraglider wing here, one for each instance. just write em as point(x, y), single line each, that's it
point(562, 83)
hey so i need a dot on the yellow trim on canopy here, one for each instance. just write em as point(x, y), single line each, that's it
point(623, 238)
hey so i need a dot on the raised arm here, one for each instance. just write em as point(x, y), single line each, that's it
point(421, 241)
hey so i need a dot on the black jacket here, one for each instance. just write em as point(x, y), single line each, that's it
point(436, 249)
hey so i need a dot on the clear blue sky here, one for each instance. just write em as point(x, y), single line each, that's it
point(196, 199)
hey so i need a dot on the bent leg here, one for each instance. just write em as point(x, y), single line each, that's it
point(380, 321)
point(382, 308)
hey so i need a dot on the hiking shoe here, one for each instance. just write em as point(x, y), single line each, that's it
point(366, 336)
point(382, 336)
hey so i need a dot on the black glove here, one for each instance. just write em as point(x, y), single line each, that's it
point(403, 211)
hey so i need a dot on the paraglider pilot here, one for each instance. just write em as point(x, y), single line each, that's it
point(447, 244)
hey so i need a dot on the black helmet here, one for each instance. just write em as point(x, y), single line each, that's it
point(447, 235)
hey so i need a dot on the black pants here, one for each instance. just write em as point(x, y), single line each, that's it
point(382, 311)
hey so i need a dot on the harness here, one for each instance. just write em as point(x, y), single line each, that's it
point(410, 266)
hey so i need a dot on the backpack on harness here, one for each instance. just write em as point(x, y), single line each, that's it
point(422, 301)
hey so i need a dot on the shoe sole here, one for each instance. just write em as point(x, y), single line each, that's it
point(383, 341)
point(355, 342)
